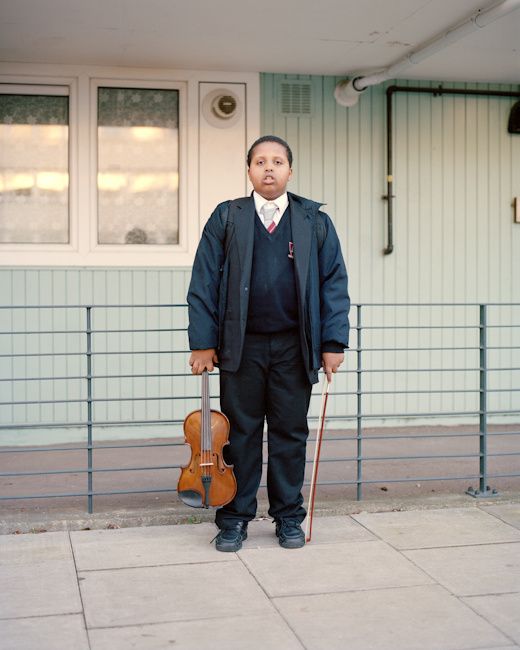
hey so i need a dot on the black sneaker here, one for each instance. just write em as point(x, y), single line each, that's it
point(230, 539)
point(290, 533)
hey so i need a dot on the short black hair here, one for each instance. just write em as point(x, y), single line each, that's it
point(269, 138)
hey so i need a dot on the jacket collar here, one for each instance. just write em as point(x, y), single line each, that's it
point(301, 213)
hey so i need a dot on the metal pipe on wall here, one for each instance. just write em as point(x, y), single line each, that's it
point(389, 196)
point(347, 91)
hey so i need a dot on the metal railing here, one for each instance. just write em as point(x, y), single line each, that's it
point(409, 365)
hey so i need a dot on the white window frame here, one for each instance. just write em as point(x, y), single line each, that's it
point(59, 87)
point(147, 253)
point(82, 82)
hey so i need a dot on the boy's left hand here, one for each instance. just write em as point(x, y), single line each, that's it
point(330, 362)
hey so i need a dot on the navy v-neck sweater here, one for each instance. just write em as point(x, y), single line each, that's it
point(273, 305)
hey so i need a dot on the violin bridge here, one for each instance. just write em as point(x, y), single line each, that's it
point(205, 464)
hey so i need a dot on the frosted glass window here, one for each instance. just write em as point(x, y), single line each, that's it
point(34, 176)
point(138, 166)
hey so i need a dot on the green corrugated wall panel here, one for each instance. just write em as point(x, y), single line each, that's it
point(99, 287)
point(456, 170)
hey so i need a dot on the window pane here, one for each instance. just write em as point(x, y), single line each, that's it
point(138, 166)
point(34, 178)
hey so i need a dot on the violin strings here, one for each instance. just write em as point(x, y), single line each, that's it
point(204, 421)
point(206, 426)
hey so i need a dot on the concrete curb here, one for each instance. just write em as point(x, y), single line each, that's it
point(39, 522)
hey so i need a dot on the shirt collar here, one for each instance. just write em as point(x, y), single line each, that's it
point(282, 202)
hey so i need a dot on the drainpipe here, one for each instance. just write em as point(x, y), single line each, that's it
point(347, 92)
point(436, 92)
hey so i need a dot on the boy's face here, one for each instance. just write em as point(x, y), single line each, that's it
point(269, 171)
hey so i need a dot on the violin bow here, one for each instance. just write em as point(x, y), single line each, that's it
point(317, 450)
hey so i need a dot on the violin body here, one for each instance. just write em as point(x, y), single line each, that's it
point(207, 480)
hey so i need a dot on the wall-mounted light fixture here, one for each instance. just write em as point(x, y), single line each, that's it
point(222, 108)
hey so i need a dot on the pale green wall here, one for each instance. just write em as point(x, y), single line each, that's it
point(456, 171)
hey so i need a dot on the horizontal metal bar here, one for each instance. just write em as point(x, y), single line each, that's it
point(329, 438)
point(433, 349)
point(353, 371)
point(85, 331)
point(353, 459)
point(503, 347)
point(511, 326)
point(88, 471)
point(421, 349)
point(92, 354)
point(112, 423)
point(369, 437)
point(87, 493)
point(82, 424)
point(435, 304)
point(70, 377)
point(98, 306)
point(41, 354)
point(504, 453)
point(414, 327)
point(431, 414)
point(403, 370)
point(184, 305)
point(431, 391)
point(416, 479)
point(16, 450)
point(326, 460)
point(95, 400)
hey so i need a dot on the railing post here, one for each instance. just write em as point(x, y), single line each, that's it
point(90, 497)
point(358, 408)
point(484, 489)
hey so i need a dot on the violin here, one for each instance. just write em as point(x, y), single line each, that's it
point(207, 480)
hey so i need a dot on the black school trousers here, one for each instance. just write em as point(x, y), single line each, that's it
point(271, 384)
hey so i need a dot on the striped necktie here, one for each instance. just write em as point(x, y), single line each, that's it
point(268, 211)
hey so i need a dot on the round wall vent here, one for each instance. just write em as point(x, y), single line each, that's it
point(221, 108)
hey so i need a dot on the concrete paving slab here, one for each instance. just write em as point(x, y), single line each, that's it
point(37, 576)
point(503, 610)
point(133, 547)
point(431, 528)
point(34, 549)
point(45, 633)
point(266, 632)
point(409, 618)
point(170, 593)
point(325, 530)
point(331, 568)
point(472, 570)
point(510, 512)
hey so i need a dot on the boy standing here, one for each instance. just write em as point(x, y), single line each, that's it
point(268, 302)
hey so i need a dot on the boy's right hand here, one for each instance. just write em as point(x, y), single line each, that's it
point(201, 360)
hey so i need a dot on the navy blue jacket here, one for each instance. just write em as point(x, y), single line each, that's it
point(218, 295)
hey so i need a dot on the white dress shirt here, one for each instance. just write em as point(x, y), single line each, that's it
point(281, 203)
